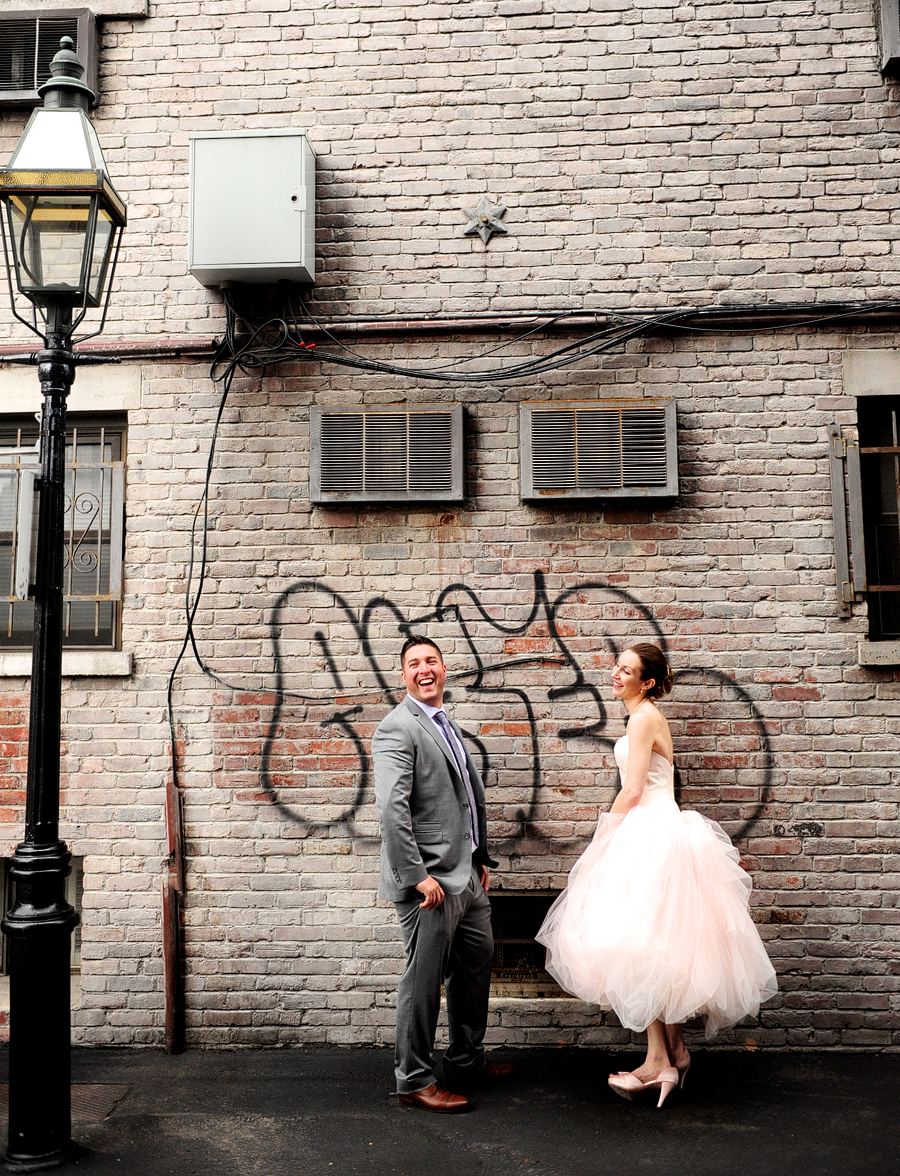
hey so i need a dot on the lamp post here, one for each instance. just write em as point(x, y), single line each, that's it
point(64, 221)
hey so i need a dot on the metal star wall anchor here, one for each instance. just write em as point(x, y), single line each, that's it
point(484, 220)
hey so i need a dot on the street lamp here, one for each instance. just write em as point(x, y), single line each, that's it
point(63, 220)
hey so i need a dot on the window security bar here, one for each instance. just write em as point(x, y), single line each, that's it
point(865, 479)
point(92, 570)
point(26, 462)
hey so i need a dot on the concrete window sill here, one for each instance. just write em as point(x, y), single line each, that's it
point(76, 663)
point(878, 653)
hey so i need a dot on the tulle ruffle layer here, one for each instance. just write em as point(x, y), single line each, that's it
point(654, 923)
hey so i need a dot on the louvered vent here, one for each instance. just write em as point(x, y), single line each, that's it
point(28, 43)
point(598, 450)
point(389, 455)
point(889, 36)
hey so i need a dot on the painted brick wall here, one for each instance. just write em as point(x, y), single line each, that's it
point(286, 940)
point(670, 155)
point(13, 755)
point(677, 153)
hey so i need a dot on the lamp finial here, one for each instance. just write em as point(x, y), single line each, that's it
point(64, 88)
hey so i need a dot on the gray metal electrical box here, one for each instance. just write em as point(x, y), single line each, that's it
point(252, 207)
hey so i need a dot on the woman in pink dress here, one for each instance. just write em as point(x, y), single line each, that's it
point(655, 923)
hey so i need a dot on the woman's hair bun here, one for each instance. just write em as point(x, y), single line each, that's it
point(655, 666)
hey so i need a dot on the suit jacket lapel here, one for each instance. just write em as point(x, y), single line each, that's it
point(432, 730)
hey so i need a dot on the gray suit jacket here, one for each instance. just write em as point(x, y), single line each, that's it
point(423, 806)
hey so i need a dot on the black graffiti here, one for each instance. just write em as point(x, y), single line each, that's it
point(458, 604)
point(803, 829)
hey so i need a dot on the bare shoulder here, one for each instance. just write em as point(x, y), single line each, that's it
point(649, 725)
point(658, 730)
point(645, 721)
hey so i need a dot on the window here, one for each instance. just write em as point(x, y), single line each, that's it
point(390, 454)
point(599, 449)
point(518, 967)
point(29, 41)
point(879, 463)
point(867, 514)
point(95, 497)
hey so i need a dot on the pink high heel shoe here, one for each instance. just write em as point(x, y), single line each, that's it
point(682, 1066)
point(627, 1086)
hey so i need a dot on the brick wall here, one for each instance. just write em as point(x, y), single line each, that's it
point(13, 755)
point(670, 154)
point(648, 157)
point(779, 733)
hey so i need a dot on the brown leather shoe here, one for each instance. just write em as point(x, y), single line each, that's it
point(438, 1099)
point(493, 1071)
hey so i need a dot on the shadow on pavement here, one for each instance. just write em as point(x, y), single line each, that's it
point(317, 1111)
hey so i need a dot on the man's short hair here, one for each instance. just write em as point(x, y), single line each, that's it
point(415, 639)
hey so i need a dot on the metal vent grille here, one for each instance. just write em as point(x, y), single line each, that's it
point(389, 455)
point(28, 43)
point(598, 450)
point(889, 36)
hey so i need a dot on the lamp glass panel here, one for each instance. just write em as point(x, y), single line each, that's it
point(103, 241)
point(49, 238)
point(57, 140)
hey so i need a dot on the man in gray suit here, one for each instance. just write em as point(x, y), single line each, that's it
point(434, 861)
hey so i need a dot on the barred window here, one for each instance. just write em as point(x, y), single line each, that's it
point(879, 451)
point(94, 514)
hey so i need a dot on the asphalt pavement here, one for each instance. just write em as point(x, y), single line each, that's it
point(318, 1112)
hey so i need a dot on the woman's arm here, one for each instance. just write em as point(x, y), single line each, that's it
point(641, 734)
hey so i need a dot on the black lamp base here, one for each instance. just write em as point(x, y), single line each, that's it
point(54, 1159)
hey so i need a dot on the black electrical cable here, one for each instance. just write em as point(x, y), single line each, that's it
point(621, 331)
point(189, 608)
point(562, 357)
point(240, 358)
point(593, 344)
point(284, 347)
point(539, 327)
point(279, 339)
point(815, 319)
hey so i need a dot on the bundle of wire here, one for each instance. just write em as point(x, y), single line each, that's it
point(254, 347)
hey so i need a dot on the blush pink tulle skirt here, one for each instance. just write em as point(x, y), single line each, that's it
point(655, 923)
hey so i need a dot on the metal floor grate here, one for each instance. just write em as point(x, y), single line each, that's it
point(91, 1102)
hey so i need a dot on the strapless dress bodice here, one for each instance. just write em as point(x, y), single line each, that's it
point(660, 784)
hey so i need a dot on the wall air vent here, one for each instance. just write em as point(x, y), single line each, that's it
point(889, 36)
point(386, 454)
point(29, 40)
point(598, 449)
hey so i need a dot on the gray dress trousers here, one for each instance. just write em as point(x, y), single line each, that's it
point(451, 945)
